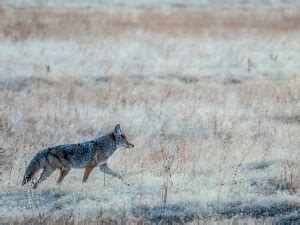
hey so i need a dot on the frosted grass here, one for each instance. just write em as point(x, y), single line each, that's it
point(147, 54)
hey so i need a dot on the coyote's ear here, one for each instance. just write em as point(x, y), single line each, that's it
point(118, 129)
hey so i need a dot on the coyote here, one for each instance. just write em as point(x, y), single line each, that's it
point(88, 155)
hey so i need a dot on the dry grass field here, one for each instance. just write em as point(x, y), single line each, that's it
point(209, 96)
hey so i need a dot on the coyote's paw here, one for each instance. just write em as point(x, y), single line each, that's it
point(121, 177)
point(125, 182)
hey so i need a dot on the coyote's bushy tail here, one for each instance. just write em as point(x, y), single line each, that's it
point(34, 166)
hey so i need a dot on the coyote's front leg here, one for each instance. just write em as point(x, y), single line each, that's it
point(105, 169)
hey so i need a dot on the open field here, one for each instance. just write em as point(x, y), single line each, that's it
point(209, 97)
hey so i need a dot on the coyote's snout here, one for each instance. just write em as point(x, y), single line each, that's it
point(88, 155)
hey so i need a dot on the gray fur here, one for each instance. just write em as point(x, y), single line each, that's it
point(88, 155)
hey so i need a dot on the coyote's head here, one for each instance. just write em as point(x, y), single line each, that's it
point(121, 139)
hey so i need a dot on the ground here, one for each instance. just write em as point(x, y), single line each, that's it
point(208, 95)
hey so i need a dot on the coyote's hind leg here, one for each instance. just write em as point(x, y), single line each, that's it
point(63, 173)
point(45, 174)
